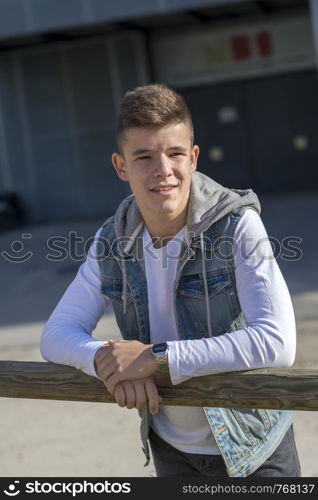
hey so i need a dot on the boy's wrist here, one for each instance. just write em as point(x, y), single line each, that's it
point(160, 354)
point(102, 346)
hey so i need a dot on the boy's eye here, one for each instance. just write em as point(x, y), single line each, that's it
point(148, 157)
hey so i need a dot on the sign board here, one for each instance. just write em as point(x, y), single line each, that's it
point(216, 54)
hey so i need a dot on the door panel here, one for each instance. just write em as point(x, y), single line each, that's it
point(260, 133)
point(219, 119)
point(269, 132)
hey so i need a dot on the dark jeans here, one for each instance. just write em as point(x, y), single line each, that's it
point(170, 462)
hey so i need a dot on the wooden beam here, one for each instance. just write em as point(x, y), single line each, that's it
point(283, 389)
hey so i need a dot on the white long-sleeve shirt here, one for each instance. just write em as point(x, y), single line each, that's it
point(269, 339)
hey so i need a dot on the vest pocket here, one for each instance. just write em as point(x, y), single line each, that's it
point(222, 302)
point(254, 423)
point(113, 288)
point(193, 285)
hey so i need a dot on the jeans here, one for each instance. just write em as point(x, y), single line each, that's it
point(170, 462)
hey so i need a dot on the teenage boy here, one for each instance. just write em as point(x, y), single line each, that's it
point(188, 268)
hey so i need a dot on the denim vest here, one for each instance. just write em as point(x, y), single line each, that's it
point(245, 437)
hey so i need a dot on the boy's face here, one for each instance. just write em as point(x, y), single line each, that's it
point(158, 164)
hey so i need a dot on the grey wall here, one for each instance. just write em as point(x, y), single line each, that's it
point(314, 19)
point(24, 17)
point(58, 107)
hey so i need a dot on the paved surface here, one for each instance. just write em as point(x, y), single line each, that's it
point(51, 438)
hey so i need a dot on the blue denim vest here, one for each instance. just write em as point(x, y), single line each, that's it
point(245, 437)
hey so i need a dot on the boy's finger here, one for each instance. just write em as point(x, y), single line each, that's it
point(153, 397)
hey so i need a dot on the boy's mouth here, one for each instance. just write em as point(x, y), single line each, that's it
point(163, 189)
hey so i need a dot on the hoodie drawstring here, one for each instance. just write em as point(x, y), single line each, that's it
point(124, 295)
point(206, 289)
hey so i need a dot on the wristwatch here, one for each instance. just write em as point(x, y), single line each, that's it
point(160, 353)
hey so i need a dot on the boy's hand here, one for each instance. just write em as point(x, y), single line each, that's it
point(124, 360)
point(137, 393)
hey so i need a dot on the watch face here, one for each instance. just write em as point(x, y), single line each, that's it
point(157, 348)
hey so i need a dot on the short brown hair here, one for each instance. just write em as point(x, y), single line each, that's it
point(155, 106)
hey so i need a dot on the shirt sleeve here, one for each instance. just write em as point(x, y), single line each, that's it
point(269, 338)
point(67, 335)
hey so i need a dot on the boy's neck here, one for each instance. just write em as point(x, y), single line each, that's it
point(164, 230)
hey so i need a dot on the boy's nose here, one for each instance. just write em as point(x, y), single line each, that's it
point(163, 167)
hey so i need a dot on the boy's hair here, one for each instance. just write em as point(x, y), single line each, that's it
point(154, 106)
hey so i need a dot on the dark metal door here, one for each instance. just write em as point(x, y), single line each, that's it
point(283, 123)
point(302, 96)
point(219, 119)
point(260, 133)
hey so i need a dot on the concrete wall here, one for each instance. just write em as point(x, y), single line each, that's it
point(25, 17)
point(314, 20)
point(58, 107)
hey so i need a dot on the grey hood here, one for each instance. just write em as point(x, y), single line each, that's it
point(209, 202)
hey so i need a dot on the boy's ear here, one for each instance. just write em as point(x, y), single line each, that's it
point(119, 165)
point(195, 151)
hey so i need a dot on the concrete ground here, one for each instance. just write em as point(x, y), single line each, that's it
point(53, 438)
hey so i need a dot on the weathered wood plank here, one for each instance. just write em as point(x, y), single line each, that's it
point(266, 388)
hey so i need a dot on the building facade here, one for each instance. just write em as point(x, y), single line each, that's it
point(247, 70)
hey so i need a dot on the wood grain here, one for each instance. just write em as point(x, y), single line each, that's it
point(283, 389)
